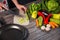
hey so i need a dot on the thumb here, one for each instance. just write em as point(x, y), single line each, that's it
point(24, 8)
point(0, 8)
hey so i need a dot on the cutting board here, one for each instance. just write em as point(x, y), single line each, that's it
point(21, 20)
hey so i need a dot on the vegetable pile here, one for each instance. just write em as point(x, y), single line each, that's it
point(46, 14)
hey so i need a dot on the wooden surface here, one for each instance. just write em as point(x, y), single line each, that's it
point(35, 33)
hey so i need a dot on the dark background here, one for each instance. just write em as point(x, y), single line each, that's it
point(23, 2)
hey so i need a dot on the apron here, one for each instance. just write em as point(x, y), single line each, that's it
point(23, 2)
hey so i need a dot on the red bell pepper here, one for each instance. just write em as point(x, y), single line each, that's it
point(41, 14)
point(46, 21)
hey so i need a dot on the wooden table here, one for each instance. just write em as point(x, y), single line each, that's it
point(35, 33)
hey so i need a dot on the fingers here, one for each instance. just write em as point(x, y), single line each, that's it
point(25, 8)
point(5, 7)
point(0, 8)
point(2, 5)
point(21, 7)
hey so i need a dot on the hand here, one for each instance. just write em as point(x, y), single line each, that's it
point(0, 8)
point(21, 7)
point(2, 5)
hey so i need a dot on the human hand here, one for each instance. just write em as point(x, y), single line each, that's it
point(21, 7)
point(3, 6)
point(0, 6)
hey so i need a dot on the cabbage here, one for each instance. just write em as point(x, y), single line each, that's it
point(52, 5)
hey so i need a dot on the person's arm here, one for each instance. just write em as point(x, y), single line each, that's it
point(15, 2)
point(19, 6)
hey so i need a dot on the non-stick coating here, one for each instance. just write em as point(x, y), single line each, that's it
point(12, 34)
point(9, 33)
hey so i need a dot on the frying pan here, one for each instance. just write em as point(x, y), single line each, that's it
point(12, 31)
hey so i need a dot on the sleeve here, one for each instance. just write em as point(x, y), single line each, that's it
point(11, 4)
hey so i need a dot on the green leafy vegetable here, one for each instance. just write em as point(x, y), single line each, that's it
point(55, 20)
point(52, 5)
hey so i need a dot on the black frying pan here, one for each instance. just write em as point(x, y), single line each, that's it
point(12, 32)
